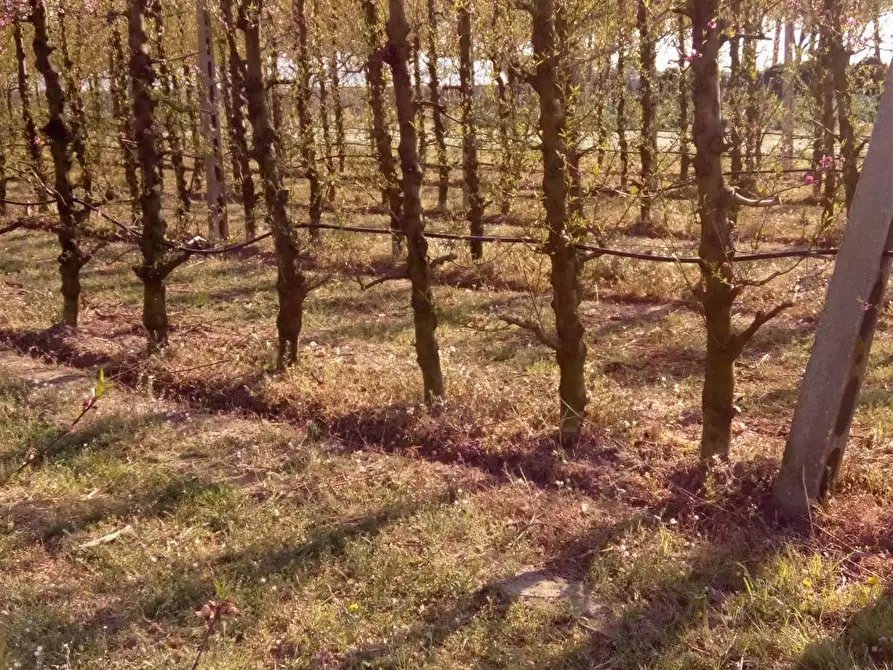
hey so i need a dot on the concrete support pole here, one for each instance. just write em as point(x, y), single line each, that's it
point(829, 391)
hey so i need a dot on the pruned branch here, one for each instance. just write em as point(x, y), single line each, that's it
point(739, 199)
point(534, 327)
point(760, 320)
point(403, 271)
point(319, 282)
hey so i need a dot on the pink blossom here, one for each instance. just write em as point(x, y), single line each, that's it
point(852, 22)
point(826, 163)
point(36, 141)
point(711, 24)
point(691, 57)
point(809, 179)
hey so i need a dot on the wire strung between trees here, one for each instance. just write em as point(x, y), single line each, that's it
point(593, 250)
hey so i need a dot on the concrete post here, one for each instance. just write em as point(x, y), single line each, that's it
point(829, 391)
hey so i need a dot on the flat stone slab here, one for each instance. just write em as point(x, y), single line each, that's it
point(540, 585)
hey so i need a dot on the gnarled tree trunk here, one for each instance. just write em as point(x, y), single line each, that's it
point(291, 284)
point(215, 194)
point(469, 132)
point(307, 143)
point(238, 139)
point(381, 136)
point(70, 259)
point(648, 101)
point(156, 265)
point(443, 170)
point(31, 138)
point(122, 112)
point(570, 349)
point(424, 316)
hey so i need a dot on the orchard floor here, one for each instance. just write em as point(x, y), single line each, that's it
point(355, 528)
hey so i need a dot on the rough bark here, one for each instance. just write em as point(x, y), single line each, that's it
point(469, 131)
point(235, 65)
point(648, 101)
point(305, 122)
point(291, 284)
point(424, 316)
point(77, 122)
point(326, 129)
point(684, 98)
point(171, 116)
point(716, 248)
point(381, 136)
point(122, 112)
point(549, 53)
point(443, 170)
point(420, 108)
point(215, 187)
point(838, 61)
point(156, 265)
point(620, 93)
point(57, 130)
point(35, 147)
point(337, 109)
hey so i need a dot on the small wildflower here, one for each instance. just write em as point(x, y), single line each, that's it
point(809, 179)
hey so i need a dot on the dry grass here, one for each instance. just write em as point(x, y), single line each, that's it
point(356, 528)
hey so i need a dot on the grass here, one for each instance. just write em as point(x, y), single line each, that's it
point(355, 528)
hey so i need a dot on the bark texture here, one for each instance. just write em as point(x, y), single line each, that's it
point(424, 316)
point(156, 265)
point(57, 130)
point(291, 284)
point(469, 132)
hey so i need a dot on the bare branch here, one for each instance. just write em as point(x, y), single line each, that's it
point(534, 327)
point(753, 202)
point(761, 319)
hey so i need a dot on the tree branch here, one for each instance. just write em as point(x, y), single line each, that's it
point(760, 320)
point(549, 340)
point(739, 199)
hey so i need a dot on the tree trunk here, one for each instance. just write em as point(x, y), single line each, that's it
point(218, 226)
point(776, 41)
point(443, 170)
point(78, 121)
point(839, 58)
point(307, 143)
point(122, 112)
point(155, 266)
point(753, 136)
point(171, 116)
point(70, 259)
point(684, 94)
point(716, 248)
point(548, 26)
point(291, 285)
point(326, 130)
point(381, 136)
point(736, 156)
point(787, 122)
point(648, 100)
point(31, 138)
point(620, 106)
point(469, 132)
point(238, 139)
point(420, 111)
point(424, 316)
point(338, 110)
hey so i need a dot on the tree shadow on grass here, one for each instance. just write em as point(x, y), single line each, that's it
point(56, 445)
point(865, 643)
point(164, 603)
